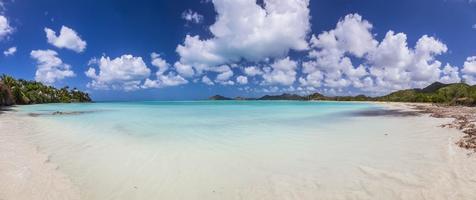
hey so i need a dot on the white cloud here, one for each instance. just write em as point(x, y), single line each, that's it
point(5, 28)
point(469, 70)
point(184, 70)
point(352, 34)
point(390, 60)
point(330, 65)
point(67, 38)
point(425, 69)
point(207, 80)
point(121, 73)
point(148, 83)
point(396, 66)
point(50, 68)
point(245, 30)
point(160, 63)
point(242, 80)
point(10, 51)
point(252, 71)
point(469, 66)
point(313, 79)
point(385, 66)
point(282, 72)
point(450, 74)
point(163, 80)
point(171, 79)
point(224, 75)
point(228, 82)
point(192, 16)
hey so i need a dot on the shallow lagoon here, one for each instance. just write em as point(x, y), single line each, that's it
point(248, 150)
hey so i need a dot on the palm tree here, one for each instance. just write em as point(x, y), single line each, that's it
point(8, 80)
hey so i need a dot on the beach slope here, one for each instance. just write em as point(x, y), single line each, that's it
point(25, 172)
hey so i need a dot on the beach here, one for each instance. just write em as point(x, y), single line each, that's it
point(401, 154)
point(27, 173)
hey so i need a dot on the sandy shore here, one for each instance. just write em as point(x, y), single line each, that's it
point(26, 173)
point(463, 119)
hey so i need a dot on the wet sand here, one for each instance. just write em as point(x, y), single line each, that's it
point(27, 172)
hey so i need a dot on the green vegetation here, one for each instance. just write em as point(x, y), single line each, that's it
point(284, 97)
point(23, 92)
point(450, 94)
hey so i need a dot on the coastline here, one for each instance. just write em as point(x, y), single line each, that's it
point(27, 173)
point(463, 119)
point(30, 174)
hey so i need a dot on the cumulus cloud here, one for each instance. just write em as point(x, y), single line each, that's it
point(385, 66)
point(409, 67)
point(184, 70)
point(163, 79)
point(192, 16)
point(10, 51)
point(67, 38)
point(207, 80)
point(252, 71)
point(469, 70)
point(330, 65)
point(121, 73)
point(5, 28)
point(450, 74)
point(159, 62)
point(171, 79)
point(50, 68)
point(224, 75)
point(246, 30)
point(352, 34)
point(242, 80)
point(282, 72)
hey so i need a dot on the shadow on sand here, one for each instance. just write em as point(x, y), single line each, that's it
point(6, 109)
point(62, 113)
point(385, 112)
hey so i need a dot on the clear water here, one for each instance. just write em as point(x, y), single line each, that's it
point(240, 150)
point(198, 119)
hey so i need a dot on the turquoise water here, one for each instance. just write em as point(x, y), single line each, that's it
point(237, 150)
point(191, 117)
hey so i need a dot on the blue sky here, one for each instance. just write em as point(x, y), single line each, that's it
point(292, 46)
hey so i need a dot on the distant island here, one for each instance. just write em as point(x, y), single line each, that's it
point(22, 92)
point(450, 94)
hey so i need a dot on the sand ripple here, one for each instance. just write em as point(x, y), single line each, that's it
point(26, 173)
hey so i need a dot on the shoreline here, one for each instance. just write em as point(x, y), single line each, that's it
point(463, 119)
point(25, 171)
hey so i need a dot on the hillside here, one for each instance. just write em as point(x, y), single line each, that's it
point(451, 94)
point(284, 97)
point(219, 97)
point(21, 92)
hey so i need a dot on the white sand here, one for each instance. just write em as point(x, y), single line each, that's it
point(416, 160)
point(26, 173)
